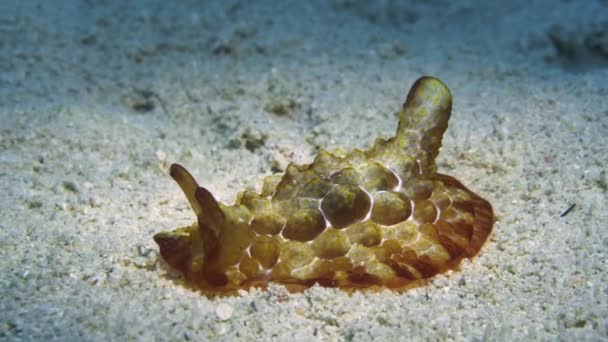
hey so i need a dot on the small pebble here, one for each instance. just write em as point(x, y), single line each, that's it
point(224, 312)
point(161, 156)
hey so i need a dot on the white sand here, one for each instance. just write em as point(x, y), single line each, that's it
point(84, 184)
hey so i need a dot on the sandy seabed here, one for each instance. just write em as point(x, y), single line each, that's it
point(98, 98)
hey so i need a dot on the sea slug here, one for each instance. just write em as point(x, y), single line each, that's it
point(381, 218)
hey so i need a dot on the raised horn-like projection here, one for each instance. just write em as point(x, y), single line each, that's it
point(381, 218)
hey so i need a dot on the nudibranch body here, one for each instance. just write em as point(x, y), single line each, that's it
point(381, 218)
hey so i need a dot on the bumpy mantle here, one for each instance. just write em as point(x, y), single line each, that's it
point(381, 218)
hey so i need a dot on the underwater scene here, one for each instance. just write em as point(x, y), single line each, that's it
point(325, 170)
